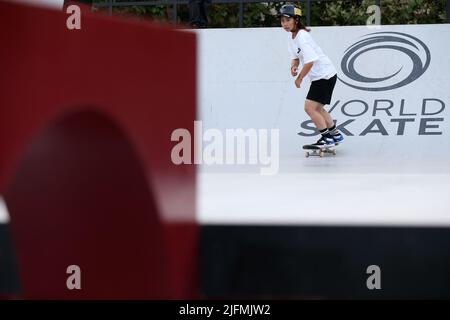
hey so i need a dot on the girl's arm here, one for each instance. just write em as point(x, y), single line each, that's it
point(303, 73)
point(294, 66)
point(306, 68)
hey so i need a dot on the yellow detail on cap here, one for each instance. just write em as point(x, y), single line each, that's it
point(297, 12)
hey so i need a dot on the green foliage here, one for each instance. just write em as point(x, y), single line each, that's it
point(413, 11)
point(323, 12)
point(224, 16)
point(343, 13)
point(392, 12)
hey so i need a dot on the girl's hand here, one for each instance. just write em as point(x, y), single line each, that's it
point(294, 71)
point(298, 82)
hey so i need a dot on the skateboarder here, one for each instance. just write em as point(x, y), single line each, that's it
point(317, 68)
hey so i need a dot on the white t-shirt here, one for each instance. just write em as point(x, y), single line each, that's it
point(304, 47)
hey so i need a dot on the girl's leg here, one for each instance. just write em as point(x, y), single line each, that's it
point(332, 130)
point(328, 119)
point(312, 109)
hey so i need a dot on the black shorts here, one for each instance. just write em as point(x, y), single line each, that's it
point(322, 90)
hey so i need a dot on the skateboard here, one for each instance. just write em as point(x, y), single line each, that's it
point(317, 151)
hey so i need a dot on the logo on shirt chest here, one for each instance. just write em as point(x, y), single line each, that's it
point(298, 51)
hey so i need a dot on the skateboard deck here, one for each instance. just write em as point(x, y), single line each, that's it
point(317, 151)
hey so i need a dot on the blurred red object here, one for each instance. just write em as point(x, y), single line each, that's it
point(85, 123)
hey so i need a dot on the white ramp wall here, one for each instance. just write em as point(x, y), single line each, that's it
point(245, 82)
point(392, 101)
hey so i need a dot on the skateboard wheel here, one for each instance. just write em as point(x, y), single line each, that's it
point(307, 154)
point(321, 154)
point(334, 152)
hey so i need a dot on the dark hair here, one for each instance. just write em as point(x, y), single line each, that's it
point(300, 25)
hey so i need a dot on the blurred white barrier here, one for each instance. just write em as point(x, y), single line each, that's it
point(4, 216)
point(56, 4)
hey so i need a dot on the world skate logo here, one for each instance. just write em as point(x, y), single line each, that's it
point(381, 57)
